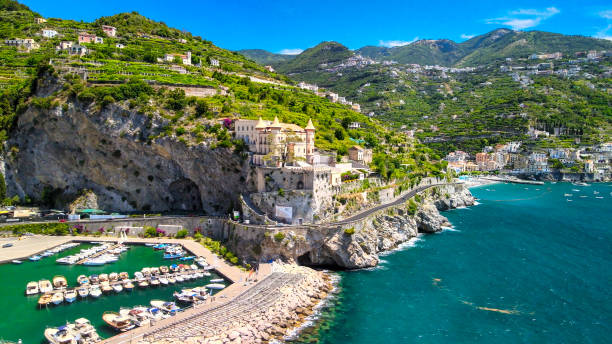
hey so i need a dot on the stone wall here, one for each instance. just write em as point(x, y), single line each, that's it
point(209, 226)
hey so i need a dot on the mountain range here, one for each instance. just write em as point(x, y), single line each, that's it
point(495, 45)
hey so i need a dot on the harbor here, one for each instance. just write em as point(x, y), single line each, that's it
point(17, 276)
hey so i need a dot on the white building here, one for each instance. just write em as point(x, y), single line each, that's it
point(48, 33)
point(110, 31)
point(214, 62)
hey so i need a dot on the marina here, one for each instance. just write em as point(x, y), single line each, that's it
point(74, 302)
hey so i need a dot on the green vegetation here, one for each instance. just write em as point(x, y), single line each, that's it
point(217, 248)
point(48, 228)
point(278, 237)
point(181, 234)
point(349, 231)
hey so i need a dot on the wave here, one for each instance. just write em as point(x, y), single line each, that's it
point(412, 242)
point(449, 229)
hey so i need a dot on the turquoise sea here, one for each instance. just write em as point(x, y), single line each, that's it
point(524, 266)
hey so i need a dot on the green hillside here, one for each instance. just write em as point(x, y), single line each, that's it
point(265, 57)
point(485, 49)
point(310, 60)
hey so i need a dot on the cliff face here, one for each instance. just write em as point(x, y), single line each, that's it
point(351, 246)
point(77, 147)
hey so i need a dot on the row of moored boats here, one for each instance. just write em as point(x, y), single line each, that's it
point(95, 256)
point(49, 252)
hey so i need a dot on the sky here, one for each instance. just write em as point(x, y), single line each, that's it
point(288, 27)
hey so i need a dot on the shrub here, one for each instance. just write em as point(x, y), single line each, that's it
point(349, 231)
point(197, 236)
point(278, 237)
point(412, 208)
point(281, 192)
point(181, 234)
point(39, 228)
point(150, 232)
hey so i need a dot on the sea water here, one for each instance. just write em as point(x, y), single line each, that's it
point(23, 319)
point(526, 265)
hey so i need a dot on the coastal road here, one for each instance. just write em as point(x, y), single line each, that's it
point(395, 202)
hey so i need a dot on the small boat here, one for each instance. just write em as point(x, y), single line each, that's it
point(82, 279)
point(154, 281)
point(35, 258)
point(32, 288)
point(172, 255)
point(16, 261)
point(93, 279)
point(164, 269)
point(95, 291)
point(124, 275)
point(44, 286)
point(154, 271)
point(83, 291)
point(599, 197)
point(150, 244)
point(187, 258)
point(117, 321)
point(105, 286)
point(217, 280)
point(595, 192)
point(163, 280)
point(143, 284)
point(215, 286)
point(160, 246)
point(568, 195)
point(146, 271)
point(169, 307)
point(86, 330)
point(113, 276)
point(59, 282)
point(128, 285)
point(117, 287)
point(103, 277)
point(171, 280)
point(70, 295)
point(179, 278)
point(44, 300)
point(60, 335)
point(57, 298)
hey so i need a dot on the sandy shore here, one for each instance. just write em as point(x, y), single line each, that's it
point(474, 182)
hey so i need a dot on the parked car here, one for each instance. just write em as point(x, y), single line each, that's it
point(7, 245)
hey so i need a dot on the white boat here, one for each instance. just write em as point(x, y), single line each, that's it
point(118, 321)
point(599, 197)
point(60, 335)
point(83, 291)
point(87, 332)
point(57, 298)
point(568, 195)
point(59, 282)
point(106, 287)
point(32, 288)
point(179, 278)
point(215, 286)
point(171, 280)
point(163, 280)
point(70, 295)
point(95, 291)
point(138, 315)
point(113, 276)
point(35, 258)
point(217, 280)
point(169, 307)
point(117, 287)
point(44, 286)
point(128, 285)
point(16, 261)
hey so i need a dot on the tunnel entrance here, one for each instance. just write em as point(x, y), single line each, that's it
point(185, 195)
point(304, 259)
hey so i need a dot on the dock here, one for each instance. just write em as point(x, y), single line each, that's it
point(97, 254)
point(513, 180)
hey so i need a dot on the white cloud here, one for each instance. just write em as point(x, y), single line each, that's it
point(466, 36)
point(606, 14)
point(603, 34)
point(524, 18)
point(290, 51)
point(393, 44)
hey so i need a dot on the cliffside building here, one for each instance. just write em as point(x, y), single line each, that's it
point(275, 143)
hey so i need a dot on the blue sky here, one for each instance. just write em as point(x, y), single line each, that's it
point(290, 26)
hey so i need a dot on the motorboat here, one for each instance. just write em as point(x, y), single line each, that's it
point(103, 277)
point(179, 278)
point(138, 276)
point(95, 291)
point(217, 286)
point(154, 271)
point(138, 315)
point(128, 285)
point(117, 287)
point(35, 258)
point(59, 282)
point(60, 335)
point(93, 279)
point(568, 195)
point(160, 246)
point(83, 291)
point(154, 281)
point(171, 280)
point(16, 261)
point(156, 314)
point(106, 287)
point(44, 286)
point(86, 330)
point(163, 280)
point(113, 276)
point(57, 298)
point(201, 261)
point(118, 321)
point(70, 295)
point(217, 280)
point(172, 255)
point(32, 288)
point(143, 283)
point(187, 258)
point(124, 275)
point(164, 269)
point(146, 271)
point(82, 279)
point(173, 267)
point(45, 299)
point(168, 307)
point(46, 254)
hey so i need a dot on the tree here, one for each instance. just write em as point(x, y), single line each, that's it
point(2, 187)
point(339, 133)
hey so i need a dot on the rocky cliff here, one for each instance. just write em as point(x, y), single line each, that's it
point(349, 245)
point(60, 152)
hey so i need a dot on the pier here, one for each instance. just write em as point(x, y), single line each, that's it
point(98, 254)
point(513, 180)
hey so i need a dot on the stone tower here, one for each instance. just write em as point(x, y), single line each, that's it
point(310, 138)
